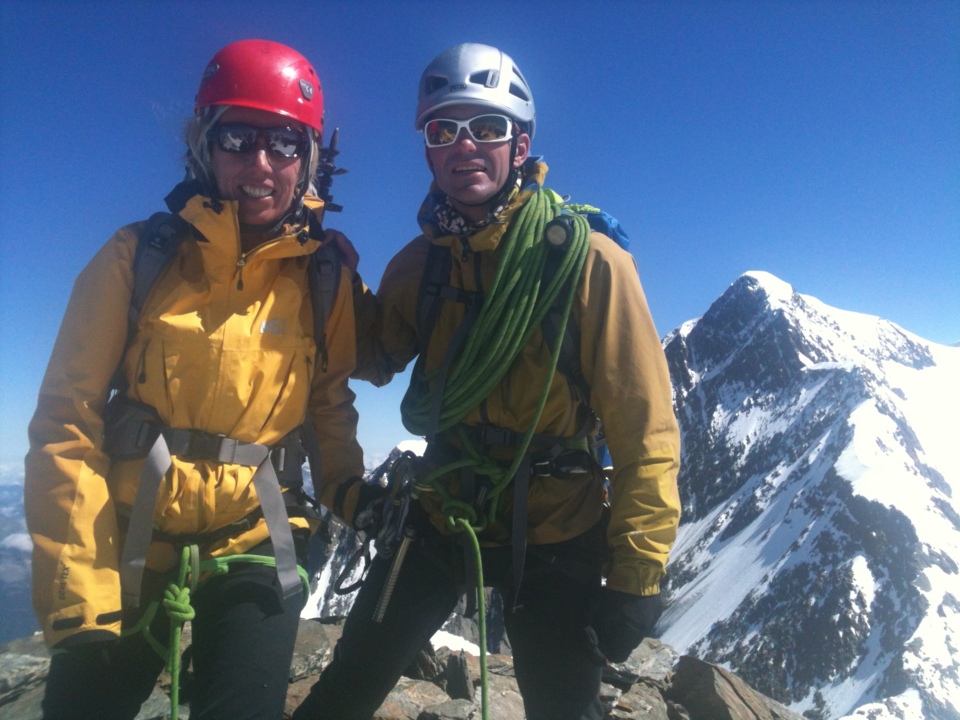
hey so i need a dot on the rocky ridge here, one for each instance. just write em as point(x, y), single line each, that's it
point(653, 684)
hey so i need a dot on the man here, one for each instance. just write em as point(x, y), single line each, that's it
point(508, 435)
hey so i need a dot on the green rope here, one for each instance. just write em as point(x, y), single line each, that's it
point(482, 610)
point(176, 603)
point(514, 308)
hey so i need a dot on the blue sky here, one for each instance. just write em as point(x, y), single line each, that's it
point(819, 141)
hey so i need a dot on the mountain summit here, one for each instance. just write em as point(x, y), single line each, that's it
point(816, 555)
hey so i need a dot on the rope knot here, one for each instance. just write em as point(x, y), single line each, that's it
point(457, 512)
point(176, 602)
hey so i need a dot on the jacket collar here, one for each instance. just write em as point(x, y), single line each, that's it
point(216, 220)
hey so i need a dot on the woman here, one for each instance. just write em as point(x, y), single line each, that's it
point(205, 404)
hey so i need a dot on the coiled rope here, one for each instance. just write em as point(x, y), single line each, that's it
point(516, 304)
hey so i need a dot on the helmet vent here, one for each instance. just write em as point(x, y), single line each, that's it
point(518, 91)
point(434, 83)
point(487, 78)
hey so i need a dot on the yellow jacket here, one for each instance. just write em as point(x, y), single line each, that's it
point(224, 345)
point(622, 362)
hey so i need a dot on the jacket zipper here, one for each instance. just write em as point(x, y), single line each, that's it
point(142, 364)
point(241, 261)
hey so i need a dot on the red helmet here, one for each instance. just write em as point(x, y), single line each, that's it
point(264, 75)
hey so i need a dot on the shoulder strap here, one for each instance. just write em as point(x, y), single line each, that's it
point(156, 246)
point(434, 286)
point(568, 361)
point(324, 274)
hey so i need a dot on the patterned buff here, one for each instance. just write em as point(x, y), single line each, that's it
point(451, 222)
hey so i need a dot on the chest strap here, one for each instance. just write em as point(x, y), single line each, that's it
point(196, 445)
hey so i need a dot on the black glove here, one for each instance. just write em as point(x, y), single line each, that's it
point(622, 620)
point(368, 516)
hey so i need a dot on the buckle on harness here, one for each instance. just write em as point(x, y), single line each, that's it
point(493, 435)
point(207, 446)
point(543, 468)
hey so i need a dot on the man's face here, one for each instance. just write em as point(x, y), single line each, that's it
point(261, 182)
point(469, 172)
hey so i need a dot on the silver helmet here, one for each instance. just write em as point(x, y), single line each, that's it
point(478, 75)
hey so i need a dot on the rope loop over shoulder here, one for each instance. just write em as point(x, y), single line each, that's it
point(516, 304)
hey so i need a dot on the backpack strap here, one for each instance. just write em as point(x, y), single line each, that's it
point(435, 287)
point(324, 275)
point(568, 361)
point(156, 247)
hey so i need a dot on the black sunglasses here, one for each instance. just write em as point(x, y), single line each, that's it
point(284, 142)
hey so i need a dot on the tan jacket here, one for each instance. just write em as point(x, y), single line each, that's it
point(225, 345)
point(623, 363)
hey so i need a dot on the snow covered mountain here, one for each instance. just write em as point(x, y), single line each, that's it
point(818, 550)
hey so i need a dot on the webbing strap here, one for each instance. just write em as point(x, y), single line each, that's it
point(133, 559)
point(226, 450)
point(521, 486)
point(275, 515)
point(453, 349)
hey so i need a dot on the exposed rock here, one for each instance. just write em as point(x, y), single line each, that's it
point(457, 676)
point(449, 710)
point(709, 692)
point(315, 642)
point(445, 685)
point(409, 698)
point(652, 661)
point(641, 702)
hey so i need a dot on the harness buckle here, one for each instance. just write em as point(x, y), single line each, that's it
point(207, 446)
point(493, 435)
point(543, 468)
point(278, 456)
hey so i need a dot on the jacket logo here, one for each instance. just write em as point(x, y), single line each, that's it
point(276, 326)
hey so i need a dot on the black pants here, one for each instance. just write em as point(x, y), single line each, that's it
point(556, 662)
point(243, 639)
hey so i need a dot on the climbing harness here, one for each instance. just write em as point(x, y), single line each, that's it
point(134, 430)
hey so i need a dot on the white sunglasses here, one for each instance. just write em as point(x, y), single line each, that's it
point(441, 132)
